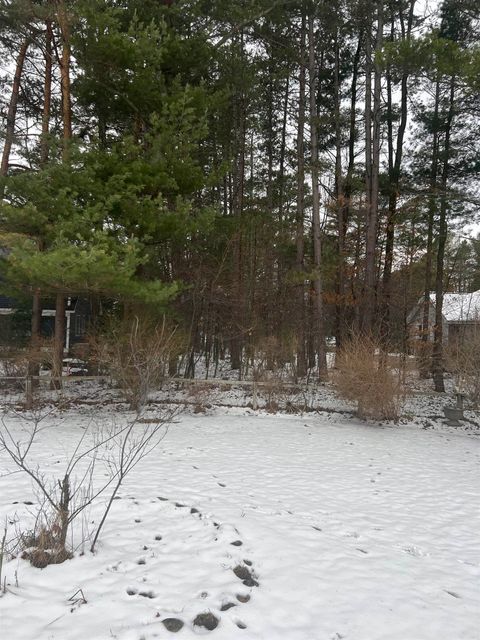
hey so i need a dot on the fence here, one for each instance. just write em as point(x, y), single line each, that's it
point(25, 388)
point(26, 385)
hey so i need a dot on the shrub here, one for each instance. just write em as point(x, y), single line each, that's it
point(137, 353)
point(423, 356)
point(365, 378)
point(66, 496)
point(462, 359)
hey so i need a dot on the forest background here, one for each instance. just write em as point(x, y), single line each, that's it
point(265, 175)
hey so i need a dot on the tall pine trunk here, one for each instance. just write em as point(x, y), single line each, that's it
point(238, 189)
point(425, 361)
point(373, 170)
point(348, 182)
point(318, 318)
point(394, 170)
point(34, 365)
point(437, 355)
point(300, 212)
point(340, 206)
point(12, 112)
point(60, 304)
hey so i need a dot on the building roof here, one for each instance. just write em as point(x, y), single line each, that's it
point(460, 307)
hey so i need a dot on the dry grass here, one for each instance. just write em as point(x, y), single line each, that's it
point(462, 359)
point(45, 549)
point(365, 378)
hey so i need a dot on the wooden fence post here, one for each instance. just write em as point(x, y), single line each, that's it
point(254, 395)
point(28, 392)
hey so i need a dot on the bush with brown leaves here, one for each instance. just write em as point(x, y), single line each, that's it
point(364, 377)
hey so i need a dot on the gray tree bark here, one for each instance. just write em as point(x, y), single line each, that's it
point(318, 326)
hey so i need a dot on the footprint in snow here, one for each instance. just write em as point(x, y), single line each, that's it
point(206, 620)
point(243, 598)
point(416, 552)
point(173, 624)
point(245, 575)
point(243, 571)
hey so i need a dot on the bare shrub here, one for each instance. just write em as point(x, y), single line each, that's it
point(14, 367)
point(366, 379)
point(273, 370)
point(198, 395)
point(423, 356)
point(3, 555)
point(275, 353)
point(30, 360)
point(13, 374)
point(137, 353)
point(462, 358)
point(270, 388)
point(268, 380)
point(65, 497)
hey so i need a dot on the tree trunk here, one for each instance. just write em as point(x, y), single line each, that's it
point(47, 95)
point(425, 361)
point(34, 365)
point(12, 113)
point(437, 355)
point(318, 325)
point(373, 169)
point(269, 239)
point(299, 233)
point(63, 23)
point(238, 187)
point(283, 145)
point(348, 182)
point(58, 340)
point(395, 164)
point(366, 318)
point(340, 206)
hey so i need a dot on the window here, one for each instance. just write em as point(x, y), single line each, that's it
point(80, 325)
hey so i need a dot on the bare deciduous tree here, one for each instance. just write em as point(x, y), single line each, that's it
point(63, 498)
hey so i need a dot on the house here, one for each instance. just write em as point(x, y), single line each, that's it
point(15, 320)
point(460, 317)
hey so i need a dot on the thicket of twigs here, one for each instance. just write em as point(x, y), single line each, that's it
point(137, 354)
point(99, 463)
point(363, 376)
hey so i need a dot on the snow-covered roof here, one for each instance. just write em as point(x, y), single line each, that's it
point(460, 307)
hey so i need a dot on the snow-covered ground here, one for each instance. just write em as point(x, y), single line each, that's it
point(352, 532)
